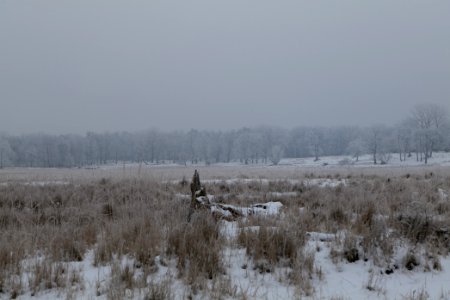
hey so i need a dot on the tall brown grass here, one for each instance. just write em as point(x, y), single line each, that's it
point(142, 218)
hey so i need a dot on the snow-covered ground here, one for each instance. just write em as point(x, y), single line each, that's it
point(363, 280)
point(342, 280)
point(293, 168)
point(439, 158)
point(366, 160)
point(338, 280)
point(357, 280)
point(36, 183)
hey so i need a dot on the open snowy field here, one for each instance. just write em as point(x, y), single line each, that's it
point(287, 168)
point(439, 159)
point(302, 229)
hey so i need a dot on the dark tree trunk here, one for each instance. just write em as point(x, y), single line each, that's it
point(196, 191)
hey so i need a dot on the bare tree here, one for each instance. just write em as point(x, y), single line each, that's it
point(244, 145)
point(276, 154)
point(427, 120)
point(229, 139)
point(316, 139)
point(193, 145)
point(356, 148)
point(5, 152)
point(426, 130)
point(374, 139)
point(404, 137)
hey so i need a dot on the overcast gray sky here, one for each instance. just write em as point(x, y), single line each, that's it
point(73, 66)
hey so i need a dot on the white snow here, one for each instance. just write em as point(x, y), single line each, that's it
point(358, 280)
point(44, 183)
point(251, 283)
point(36, 183)
point(442, 194)
point(283, 194)
point(182, 196)
point(233, 181)
point(265, 209)
point(351, 280)
point(346, 280)
point(366, 160)
point(325, 182)
point(320, 236)
point(439, 158)
point(320, 182)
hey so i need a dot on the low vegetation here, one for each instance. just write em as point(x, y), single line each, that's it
point(138, 228)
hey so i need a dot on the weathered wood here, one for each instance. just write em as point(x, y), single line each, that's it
point(195, 184)
point(196, 191)
point(200, 200)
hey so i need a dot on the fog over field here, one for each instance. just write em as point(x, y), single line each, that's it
point(73, 67)
point(207, 149)
point(92, 83)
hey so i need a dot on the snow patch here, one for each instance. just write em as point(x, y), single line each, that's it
point(325, 182)
point(264, 209)
point(320, 236)
point(36, 183)
point(443, 195)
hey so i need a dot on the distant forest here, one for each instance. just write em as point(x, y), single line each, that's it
point(424, 130)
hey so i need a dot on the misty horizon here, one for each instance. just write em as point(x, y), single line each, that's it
point(407, 116)
point(129, 66)
point(57, 132)
point(80, 129)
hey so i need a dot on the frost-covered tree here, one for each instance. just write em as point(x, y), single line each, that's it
point(426, 130)
point(316, 141)
point(297, 143)
point(374, 139)
point(5, 152)
point(356, 148)
point(270, 137)
point(193, 140)
point(428, 121)
point(276, 154)
point(228, 145)
point(244, 145)
point(404, 139)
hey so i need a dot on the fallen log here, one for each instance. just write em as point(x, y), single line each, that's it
point(220, 211)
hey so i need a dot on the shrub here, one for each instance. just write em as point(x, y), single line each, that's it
point(410, 261)
point(198, 247)
point(273, 244)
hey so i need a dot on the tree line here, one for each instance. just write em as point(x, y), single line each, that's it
point(425, 130)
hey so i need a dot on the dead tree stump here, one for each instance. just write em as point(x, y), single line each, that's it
point(195, 184)
point(197, 190)
point(199, 200)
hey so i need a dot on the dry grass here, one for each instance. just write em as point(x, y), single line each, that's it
point(273, 244)
point(159, 291)
point(197, 246)
point(280, 243)
point(63, 222)
point(141, 218)
point(46, 275)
